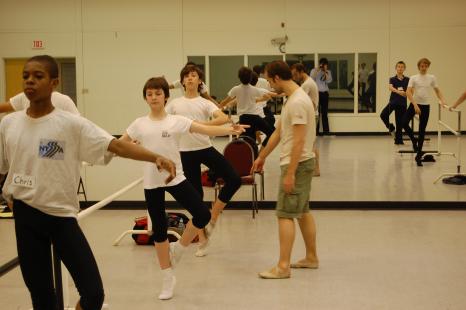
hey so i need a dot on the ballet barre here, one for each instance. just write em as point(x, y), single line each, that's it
point(457, 133)
point(62, 277)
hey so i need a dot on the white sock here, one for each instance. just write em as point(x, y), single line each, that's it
point(168, 284)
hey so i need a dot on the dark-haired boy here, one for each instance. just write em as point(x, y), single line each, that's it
point(42, 149)
point(397, 86)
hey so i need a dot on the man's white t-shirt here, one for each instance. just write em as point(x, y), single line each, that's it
point(59, 100)
point(263, 84)
point(363, 75)
point(422, 84)
point(196, 109)
point(161, 137)
point(246, 96)
point(177, 84)
point(310, 88)
point(298, 110)
point(43, 158)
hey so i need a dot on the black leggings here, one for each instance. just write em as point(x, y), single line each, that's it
point(423, 119)
point(400, 110)
point(210, 157)
point(185, 194)
point(35, 233)
point(256, 123)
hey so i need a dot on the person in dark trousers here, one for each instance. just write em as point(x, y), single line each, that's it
point(42, 149)
point(419, 87)
point(397, 86)
point(323, 76)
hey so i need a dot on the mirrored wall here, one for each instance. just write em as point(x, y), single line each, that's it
point(352, 89)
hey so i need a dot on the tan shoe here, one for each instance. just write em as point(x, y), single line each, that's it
point(275, 273)
point(304, 264)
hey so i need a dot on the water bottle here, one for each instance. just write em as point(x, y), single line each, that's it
point(181, 224)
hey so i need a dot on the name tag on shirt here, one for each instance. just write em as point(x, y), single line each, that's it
point(400, 88)
point(24, 180)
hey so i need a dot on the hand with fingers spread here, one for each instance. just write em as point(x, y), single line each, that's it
point(167, 165)
point(238, 129)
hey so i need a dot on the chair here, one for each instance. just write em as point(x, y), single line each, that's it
point(240, 155)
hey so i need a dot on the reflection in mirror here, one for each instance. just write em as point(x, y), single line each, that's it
point(199, 61)
point(274, 104)
point(306, 59)
point(223, 74)
point(341, 89)
point(367, 74)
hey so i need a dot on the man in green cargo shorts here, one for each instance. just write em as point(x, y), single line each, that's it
point(296, 132)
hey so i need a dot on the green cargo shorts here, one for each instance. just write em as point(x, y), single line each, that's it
point(293, 205)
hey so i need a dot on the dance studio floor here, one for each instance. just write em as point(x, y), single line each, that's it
point(370, 259)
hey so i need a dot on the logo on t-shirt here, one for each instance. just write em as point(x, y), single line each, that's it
point(52, 149)
point(165, 134)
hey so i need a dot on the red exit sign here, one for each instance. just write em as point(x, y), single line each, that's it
point(38, 44)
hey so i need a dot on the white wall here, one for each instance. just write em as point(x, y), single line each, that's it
point(119, 44)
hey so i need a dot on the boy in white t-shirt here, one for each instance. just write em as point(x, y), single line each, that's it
point(296, 131)
point(196, 149)
point(42, 149)
point(418, 92)
point(247, 98)
point(165, 133)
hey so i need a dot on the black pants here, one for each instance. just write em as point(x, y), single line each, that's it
point(35, 233)
point(323, 109)
point(269, 117)
point(423, 119)
point(214, 160)
point(185, 194)
point(400, 110)
point(256, 123)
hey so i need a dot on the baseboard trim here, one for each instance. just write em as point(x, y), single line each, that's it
point(317, 205)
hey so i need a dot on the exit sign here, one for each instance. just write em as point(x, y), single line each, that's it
point(38, 44)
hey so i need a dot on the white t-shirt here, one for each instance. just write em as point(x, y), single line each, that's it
point(246, 96)
point(43, 158)
point(422, 84)
point(297, 110)
point(161, 137)
point(59, 100)
point(263, 83)
point(310, 88)
point(177, 84)
point(196, 109)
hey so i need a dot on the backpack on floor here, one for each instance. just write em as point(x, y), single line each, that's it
point(174, 224)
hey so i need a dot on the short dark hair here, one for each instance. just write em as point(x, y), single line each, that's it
point(258, 69)
point(423, 60)
point(323, 61)
point(49, 62)
point(254, 79)
point(401, 62)
point(157, 83)
point(245, 75)
point(298, 67)
point(280, 68)
point(192, 68)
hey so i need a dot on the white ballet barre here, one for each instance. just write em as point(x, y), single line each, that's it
point(458, 143)
point(440, 123)
point(81, 215)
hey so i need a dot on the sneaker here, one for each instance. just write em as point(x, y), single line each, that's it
point(176, 252)
point(168, 286)
point(399, 142)
point(418, 160)
point(275, 273)
point(6, 213)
